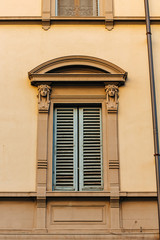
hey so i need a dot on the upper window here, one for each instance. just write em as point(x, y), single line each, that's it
point(77, 8)
point(77, 148)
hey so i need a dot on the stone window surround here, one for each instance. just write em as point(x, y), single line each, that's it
point(106, 9)
point(111, 80)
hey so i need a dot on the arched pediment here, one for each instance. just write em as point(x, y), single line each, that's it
point(77, 68)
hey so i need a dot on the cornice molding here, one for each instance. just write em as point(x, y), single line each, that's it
point(49, 78)
point(140, 19)
point(77, 60)
point(78, 194)
point(106, 71)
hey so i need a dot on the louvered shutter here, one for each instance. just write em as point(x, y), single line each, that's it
point(88, 8)
point(90, 149)
point(65, 149)
point(66, 8)
point(82, 8)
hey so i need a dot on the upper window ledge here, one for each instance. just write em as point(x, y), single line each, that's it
point(98, 18)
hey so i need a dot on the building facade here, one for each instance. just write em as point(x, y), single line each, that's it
point(76, 143)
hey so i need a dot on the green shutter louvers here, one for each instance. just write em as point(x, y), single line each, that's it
point(78, 149)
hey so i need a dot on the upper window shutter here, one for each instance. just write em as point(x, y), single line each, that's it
point(65, 149)
point(90, 149)
point(81, 8)
point(66, 8)
point(88, 8)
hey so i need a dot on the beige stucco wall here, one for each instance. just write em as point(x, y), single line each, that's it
point(154, 7)
point(156, 49)
point(128, 8)
point(17, 214)
point(24, 47)
point(135, 8)
point(33, 8)
point(20, 8)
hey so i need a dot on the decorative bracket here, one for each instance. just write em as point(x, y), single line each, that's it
point(46, 13)
point(46, 24)
point(112, 98)
point(109, 15)
point(44, 92)
point(109, 24)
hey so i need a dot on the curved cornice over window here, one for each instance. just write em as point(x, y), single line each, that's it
point(77, 69)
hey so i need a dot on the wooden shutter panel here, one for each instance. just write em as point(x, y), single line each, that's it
point(88, 8)
point(90, 149)
point(66, 8)
point(80, 8)
point(65, 149)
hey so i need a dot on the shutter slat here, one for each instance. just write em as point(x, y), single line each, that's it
point(90, 148)
point(65, 149)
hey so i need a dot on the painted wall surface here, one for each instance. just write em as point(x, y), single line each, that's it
point(154, 7)
point(33, 8)
point(24, 47)
point(156, 49)
point(20, 8)
point(128, 8)
point(135, 8)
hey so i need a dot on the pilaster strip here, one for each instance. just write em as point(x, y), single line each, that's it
point(112, 123)
point(44, 92)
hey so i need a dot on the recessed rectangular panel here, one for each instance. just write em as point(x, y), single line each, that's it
point(17, 214)
point(77, 214)
point(139, 215)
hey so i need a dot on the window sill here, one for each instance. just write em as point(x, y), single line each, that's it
point(98, 18)
point(99, 194)
point(77, 194)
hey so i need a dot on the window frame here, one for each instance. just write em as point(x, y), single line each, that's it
point(104, 6)
point(69, 100)
point(46, 78)
point(75, 16)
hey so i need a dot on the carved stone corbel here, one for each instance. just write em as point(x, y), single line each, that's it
point(112, 98)
point(46, 14)
point(109, 15)
point(46, 24)
point(109, 24)
point(44, 92)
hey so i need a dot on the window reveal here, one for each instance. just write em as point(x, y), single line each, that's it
point(77, 149)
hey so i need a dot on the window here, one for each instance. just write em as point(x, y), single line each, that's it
point(79, 8)
point(77, 83)
point(77, 148)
